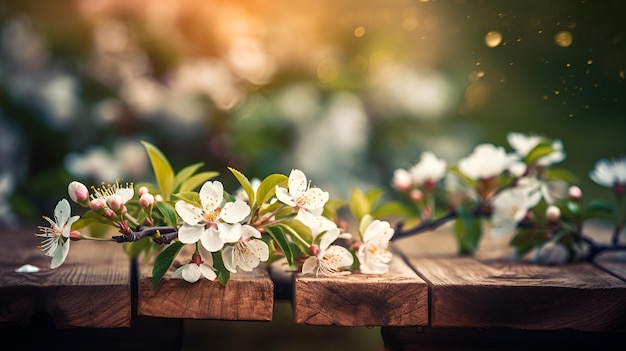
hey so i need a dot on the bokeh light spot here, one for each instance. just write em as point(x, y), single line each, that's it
point(563, 39)
point(493, 39)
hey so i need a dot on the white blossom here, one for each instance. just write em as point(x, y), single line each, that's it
point(523, 144)
point(373, 253)
point(212, 224)
point(486, 161)
point(246, 253)
point(609, 173)
point(510, 208)
point(194, 270)
point(300, 195)
point(330, 259)
point(429, 170)
point(56, 242)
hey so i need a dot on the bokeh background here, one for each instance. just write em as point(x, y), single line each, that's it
point(347, 90)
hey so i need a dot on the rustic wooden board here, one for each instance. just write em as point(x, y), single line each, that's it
point(398, 298)
point(91, 289)
point(246, 296)
point(490, 291)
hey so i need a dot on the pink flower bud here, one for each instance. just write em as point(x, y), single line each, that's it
point(96, 205)
point(553, 213)
point(416, 195)
point(314, 250)
point(142, 190)
point(146, 200)
point(109, 214)
point(115, 202)
point(158, 198)
point(78, 192)
point(357, 245)
point(402, 180)
point(74, 235)
point(575, 193)
point(619, 189)
point(197, 259)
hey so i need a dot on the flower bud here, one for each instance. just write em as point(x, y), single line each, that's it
point(402, 180)
point(357, 245)
point(115, 202)
point(142, 190)
point(146, 200)
point(74, 235)
point(158, 198)
point(574, 193)
point(619, 189)
point(96, 205)
point(416, 195)
point(196, 258)
point(78, 192)
point(109, 214)
point(314, 250)
point(553, 213)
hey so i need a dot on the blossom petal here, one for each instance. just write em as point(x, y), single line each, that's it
point(228, 256)
point(59, 254)
point(191, 272)
point(68, 226)
point(211, 240)
point(313, 198)
point(297, 183)
point(125, 193)
point(309, 266)
point(328, 238)
point(211, 195)
point(380, 230)
point(283, 196)
point(189, 234)
point(235, 212)
point(229, 233)
point(189, 213)
point(260, 249)
point(208, 272)
point(248, 231)
point(62, 212)
point(341, 254)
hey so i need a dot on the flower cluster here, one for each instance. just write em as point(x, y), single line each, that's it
point(278, 218)
point(518, 192)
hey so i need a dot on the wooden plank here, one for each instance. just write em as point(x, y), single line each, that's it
point(399, 297)
point(246, 296)
point(91, 289)
point(490, 291)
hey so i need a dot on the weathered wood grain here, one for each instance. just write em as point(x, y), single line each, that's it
point(398, 298)
point(490, 291)
point(91, 289)
point(246, 296)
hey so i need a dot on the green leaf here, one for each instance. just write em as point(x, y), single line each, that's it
point(162, 170)
point(279, 236)
point(168, 212)
point(298, 228)
point(245, 183)
point(88, 218)
point(601, 209)
point(562, 174)
point(359, 204)
point(468, 230)
point(395, 209)
point(540, 150)
point(332, 207)
point(267, 188)
point(185, 174)
point(191, 197)
point(525, 241)
point(373, 196)
point(163, 262)
point(195, 181)
point(223, 274)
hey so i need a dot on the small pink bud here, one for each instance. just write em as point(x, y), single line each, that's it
point(146, 200)
point(575, 193)
point(314, 250)
point(109, 214)
point(74, 235)
point(553, 213)
point(402, 180)
point(115, 202)
point(619, 189)
point(78, 192)
point(196, 258)
point(96, 205)
point(357, 245)
point(148, 222)
point(143, 190)
point(416, 195)
point(158, 198)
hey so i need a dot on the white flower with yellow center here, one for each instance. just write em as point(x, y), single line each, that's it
point(56, 243)
point(246, 253)
point(373, 253)
point(212, 224)
point(114, 195)
point(300, 195)
point(329, 259)
point(428, 171)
